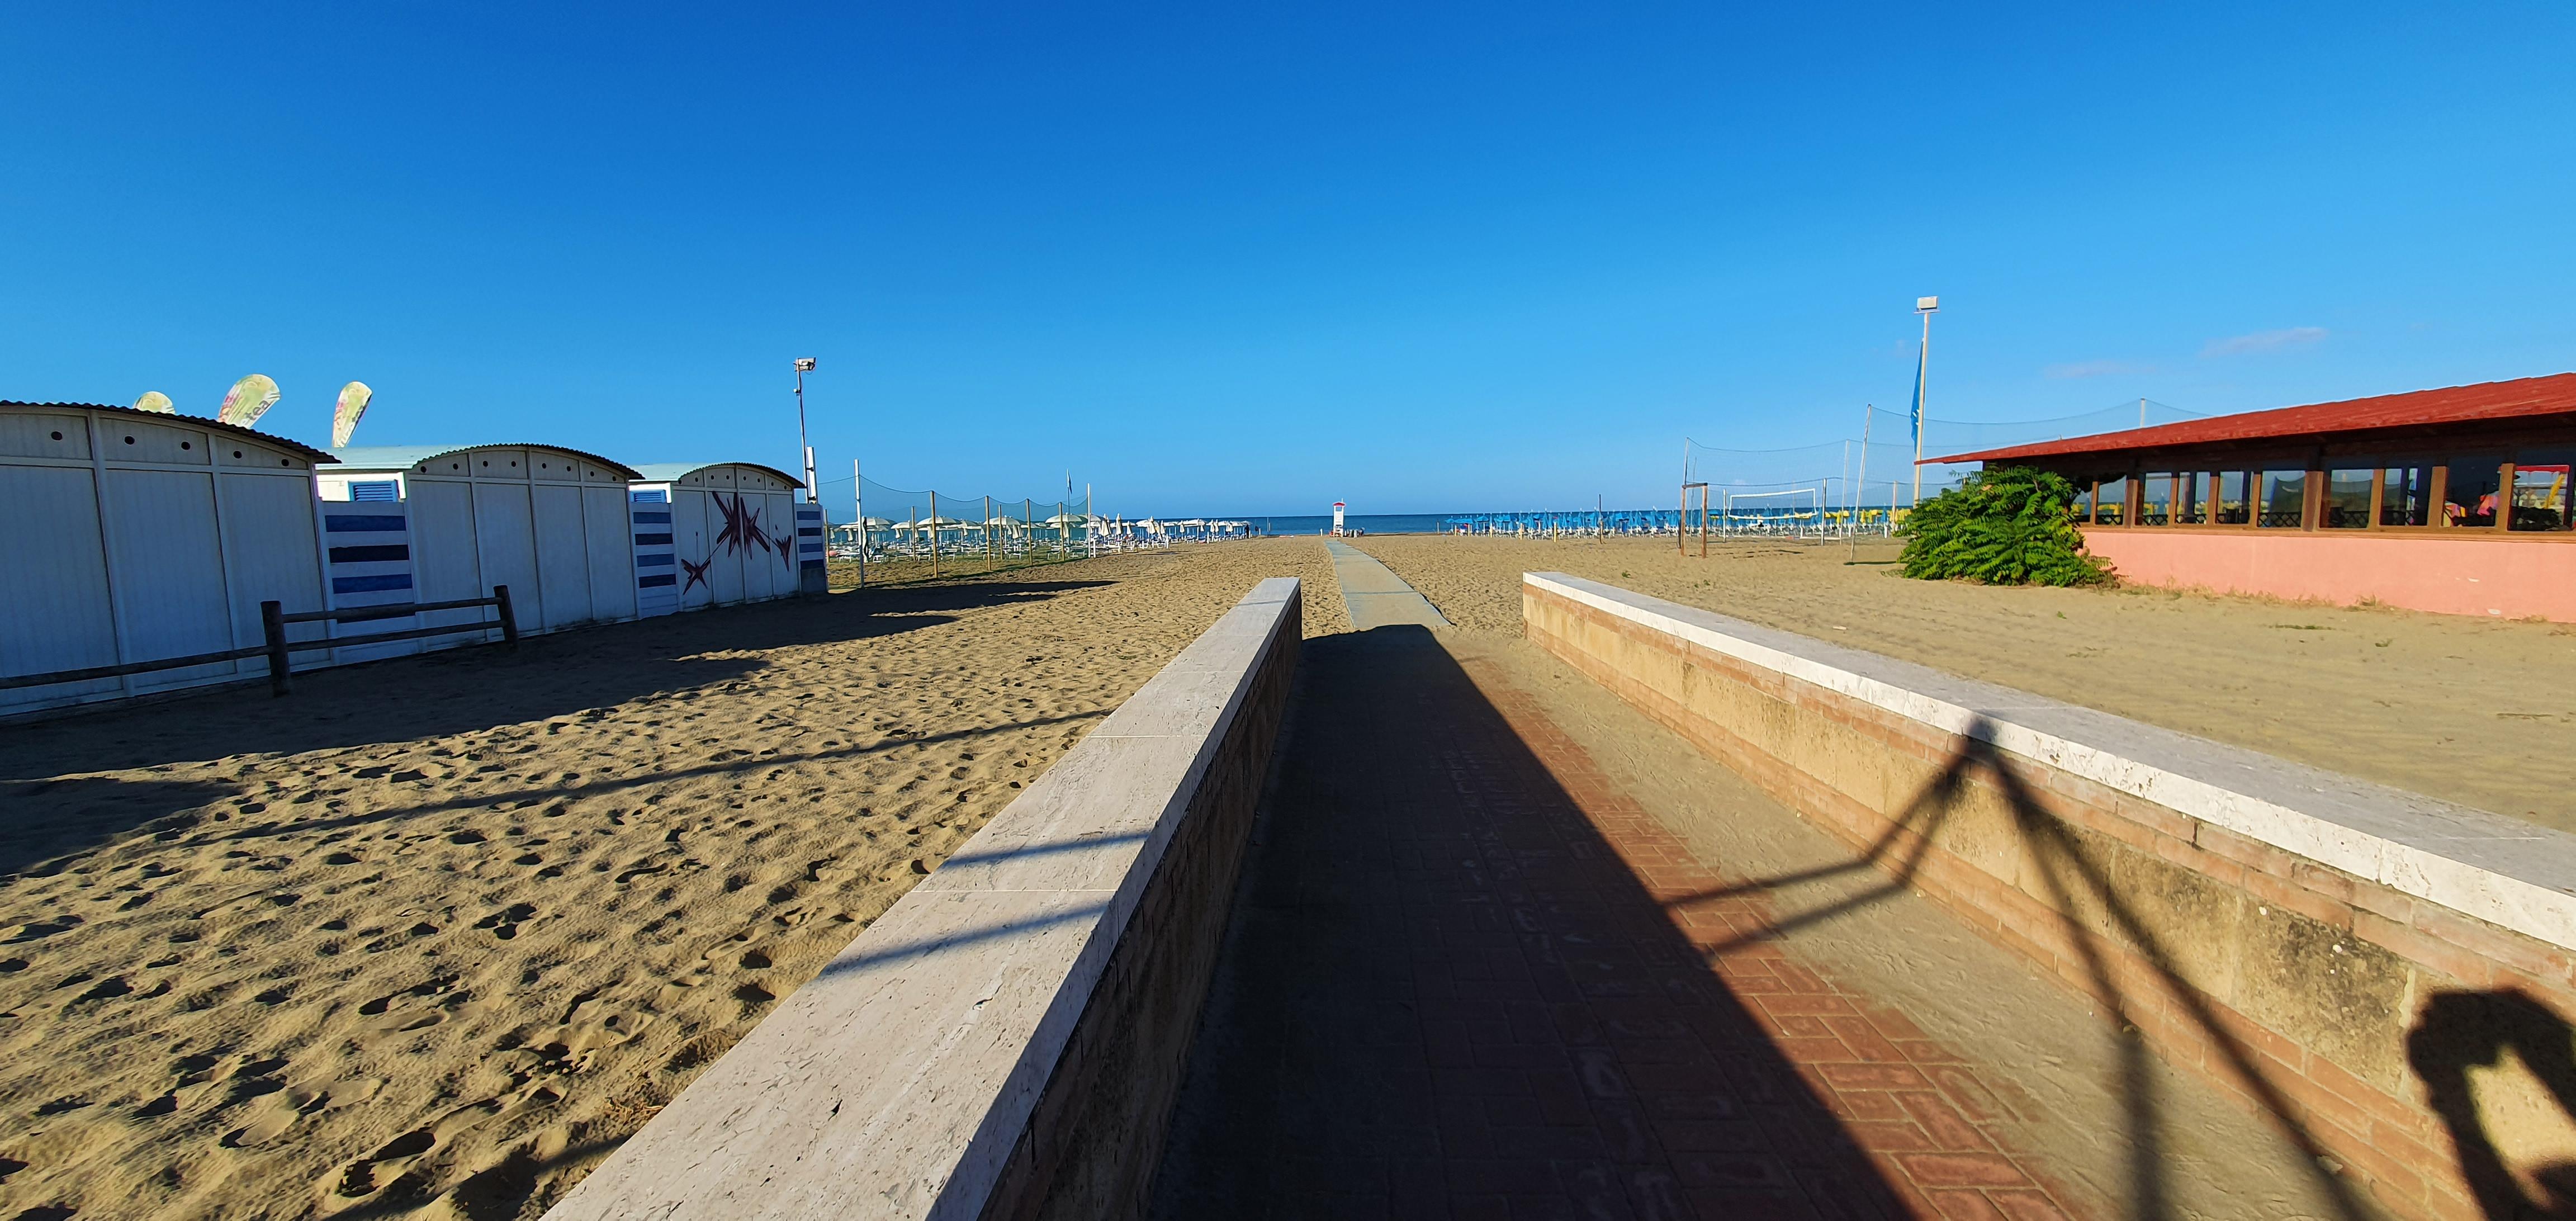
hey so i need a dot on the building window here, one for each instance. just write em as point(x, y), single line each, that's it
point(2191, 499)
point(2406, 496)
point(2469, 496)
point(2347, 504)
point(2155, 499)
point(2284, 500)
point(2110, 502)
point(2540, 490)
point(2234, 507)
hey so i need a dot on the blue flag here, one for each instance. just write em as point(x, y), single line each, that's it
point(1917, 413)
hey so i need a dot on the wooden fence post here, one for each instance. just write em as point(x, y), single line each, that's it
point(509, 619)
point(272, 628)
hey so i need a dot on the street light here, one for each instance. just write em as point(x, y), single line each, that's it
point(805, 365)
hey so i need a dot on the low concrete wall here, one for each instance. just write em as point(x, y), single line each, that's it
point(1006, 1041)
point(2462, 572)
point(2386, 974)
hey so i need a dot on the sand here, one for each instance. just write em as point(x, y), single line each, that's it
point(2481, 712)
point(438, 933)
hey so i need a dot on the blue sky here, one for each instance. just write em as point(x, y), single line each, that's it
point(1218, 260)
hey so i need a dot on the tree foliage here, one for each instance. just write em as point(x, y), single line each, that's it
point(2003, 526)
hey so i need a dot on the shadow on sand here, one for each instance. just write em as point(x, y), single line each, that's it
point(53, 804)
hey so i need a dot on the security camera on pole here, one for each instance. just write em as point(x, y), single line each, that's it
point(1926, 306)
point(805, 365)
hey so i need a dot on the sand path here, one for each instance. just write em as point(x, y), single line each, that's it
point(442, 931)
point(2481, 712)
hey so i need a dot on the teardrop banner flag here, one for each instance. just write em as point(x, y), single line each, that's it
point(344, 420)
point(154, 400)
point(249, 399)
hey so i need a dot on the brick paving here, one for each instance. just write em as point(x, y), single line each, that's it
point(1468, 977)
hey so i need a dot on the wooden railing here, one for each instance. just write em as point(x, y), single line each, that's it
point(278, 649)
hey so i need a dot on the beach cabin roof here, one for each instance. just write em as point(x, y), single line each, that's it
point(2522, 399)
point(273, 441)
point(418, 458)
point(673, 472)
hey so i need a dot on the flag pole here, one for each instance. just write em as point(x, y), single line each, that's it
point(1867, 412)
point(1926, 306)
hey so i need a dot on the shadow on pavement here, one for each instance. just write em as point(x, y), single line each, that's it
point(1442, 992)
point(2074, 880)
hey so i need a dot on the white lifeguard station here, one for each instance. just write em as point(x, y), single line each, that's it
point(1337, 518)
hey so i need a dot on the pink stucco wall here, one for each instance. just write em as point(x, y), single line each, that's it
point(2506, 578)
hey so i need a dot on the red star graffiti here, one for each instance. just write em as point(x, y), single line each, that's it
point(741, 523)
point(697, 574)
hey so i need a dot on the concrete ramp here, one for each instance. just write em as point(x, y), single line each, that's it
point(1375, 596)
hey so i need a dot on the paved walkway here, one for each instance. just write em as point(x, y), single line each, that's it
point(1466, 977)
point(1374, 595)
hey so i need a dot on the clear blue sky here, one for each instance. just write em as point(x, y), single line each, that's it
point(1223, 261)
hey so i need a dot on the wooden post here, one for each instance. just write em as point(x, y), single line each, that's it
point(2378, 496)
point(934, 532)
point(509, 617)
point(272, 628)
point(2504, 497)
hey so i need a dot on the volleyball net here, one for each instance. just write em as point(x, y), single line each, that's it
point(1867, 479)
point(879, 533)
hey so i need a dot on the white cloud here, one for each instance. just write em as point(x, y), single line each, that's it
point(2096, 368)
point(2265, 341)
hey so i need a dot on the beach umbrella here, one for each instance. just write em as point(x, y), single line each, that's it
point(155, 401)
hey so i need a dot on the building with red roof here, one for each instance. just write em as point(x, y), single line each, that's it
point(2454, 500)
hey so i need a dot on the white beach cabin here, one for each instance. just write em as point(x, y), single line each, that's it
point(439, 523)
point(130, 536)
point(714, 534)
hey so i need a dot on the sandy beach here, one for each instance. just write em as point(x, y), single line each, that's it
point(2469, 710)
point(436, 934)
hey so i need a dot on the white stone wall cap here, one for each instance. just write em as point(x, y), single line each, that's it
point(898, 1081)
point(2476, 862)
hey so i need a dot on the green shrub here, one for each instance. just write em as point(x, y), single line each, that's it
point(2003, 526)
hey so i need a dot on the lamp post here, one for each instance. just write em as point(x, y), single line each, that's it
point(1926, 306)
point(805, 365)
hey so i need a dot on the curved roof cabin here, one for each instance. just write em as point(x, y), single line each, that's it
point(133, 536)
point(727, 533)
point(449, 522)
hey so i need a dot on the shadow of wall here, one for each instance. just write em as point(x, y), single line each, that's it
point(1441, 988)
point(2300, 989)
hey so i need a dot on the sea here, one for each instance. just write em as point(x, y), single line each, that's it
point(1374, 523)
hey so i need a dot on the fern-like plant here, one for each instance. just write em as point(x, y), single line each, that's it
point(2002, 526)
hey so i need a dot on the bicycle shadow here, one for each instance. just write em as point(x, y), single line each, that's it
point(2073, 880)
point(2497, 1031)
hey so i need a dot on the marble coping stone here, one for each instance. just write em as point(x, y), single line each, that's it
point(2500, 870)
point(898, 1081)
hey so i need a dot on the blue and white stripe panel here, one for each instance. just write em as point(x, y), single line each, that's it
point(657, 569)
point(367, 546)
point(810, 574)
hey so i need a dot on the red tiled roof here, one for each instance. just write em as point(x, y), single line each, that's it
point(2527, 396)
